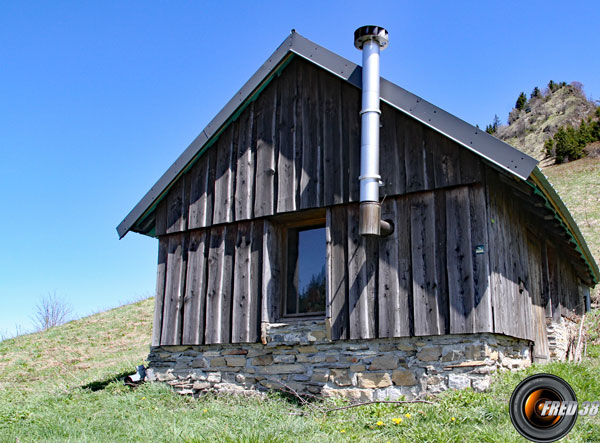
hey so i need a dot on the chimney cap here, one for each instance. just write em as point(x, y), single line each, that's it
point(371, 32)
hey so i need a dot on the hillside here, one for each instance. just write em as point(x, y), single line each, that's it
point(578, 184)
point(63, 385)
point(541, 116)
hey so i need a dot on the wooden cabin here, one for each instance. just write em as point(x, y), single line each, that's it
point(260, 260)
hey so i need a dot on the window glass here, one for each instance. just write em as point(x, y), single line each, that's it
point(306, 271)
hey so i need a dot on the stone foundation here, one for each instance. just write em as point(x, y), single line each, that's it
point(561, 337)
point(298, 356)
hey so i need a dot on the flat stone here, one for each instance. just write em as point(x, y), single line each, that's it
point(199, 363)
point(214, 377)
point(430, 353)
point(262, 360)
point(316, 335)
point(331, 359)
point(353, 395)
point(307, 349)
point(372, 380)
point(301, 358)
point(407, 347)
point(452, 356)
point(320, 377)
point(185, 391)
point(340, 377)
point(200, 385)
point(240, 378)
point(217, 362)
point(481, 384)
point(235, 361)
point(358, 368)
point(457, 381)
point(284, 358)
point(403, 377)
point(467, 364)
point(388, 361)
point(235, 352)
point(390, 393)
point(283, 369)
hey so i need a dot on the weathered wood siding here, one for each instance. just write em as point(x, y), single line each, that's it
point(531, 276)
point(403, 285)
point(460, 259)
point(297, 146)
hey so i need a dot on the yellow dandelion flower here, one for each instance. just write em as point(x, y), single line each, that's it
point(453, 419)
point(143, 398)
point(407, 415)
point(379, 423)
point(343, 431)
point(205, 410)
point(397, 420)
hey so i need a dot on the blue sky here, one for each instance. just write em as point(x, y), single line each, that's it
point(97, 99)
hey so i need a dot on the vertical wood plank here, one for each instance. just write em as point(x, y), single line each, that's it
point(554, 279)
point(441, 267)
point(337, 282)
point(271, 272)
point(404, 320)
point(480, 253)
point(244, 181)
point(414, 157)
point(425, 287)
point(256, 266)
point(446, 166)
point(286, 190)
point(309, 179)
point(546, 298)
point(199, 185)
point(161, 218)
point(265, 114)
point(460, 269)
point(540, 338)
point(159, 298)
point(242, 326)
point(224, 179)
point(219, 285)
point(195, 289)
point(174, 291)
point(333, 153)
point(351, 104)
point(389, 166)
point(360, 281)
point(497, 262)
point(176, 219)
point(394, 273)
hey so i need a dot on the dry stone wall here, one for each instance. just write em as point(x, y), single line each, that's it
point(298, 356)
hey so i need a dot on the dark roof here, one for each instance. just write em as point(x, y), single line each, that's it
point(494, 150)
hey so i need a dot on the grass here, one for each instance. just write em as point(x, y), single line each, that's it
point(63, 385)
point(578, 184)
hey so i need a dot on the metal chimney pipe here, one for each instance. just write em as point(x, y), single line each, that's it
point(371, 40)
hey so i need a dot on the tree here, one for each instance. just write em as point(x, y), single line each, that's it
point(51, 311)
point(536, 92)
point(493, 128)
point(521, 101)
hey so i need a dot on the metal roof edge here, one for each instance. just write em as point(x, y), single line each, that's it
point(548, 190)
point(477, 140)
point(215, 124)
point(474, 139)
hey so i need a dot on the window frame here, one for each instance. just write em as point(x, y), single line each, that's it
point(310, 221)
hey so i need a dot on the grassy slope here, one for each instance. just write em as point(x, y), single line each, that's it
point(61, 385)
point(578, 184)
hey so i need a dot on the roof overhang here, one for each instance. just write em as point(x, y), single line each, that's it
point(499, 153)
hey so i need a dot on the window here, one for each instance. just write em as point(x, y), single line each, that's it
point(305, 269)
